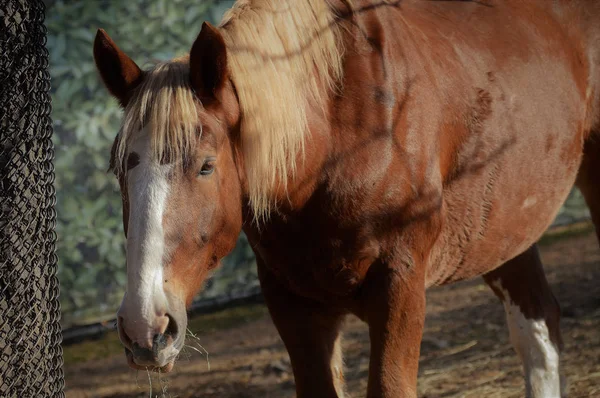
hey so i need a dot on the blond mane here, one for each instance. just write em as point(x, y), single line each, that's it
point(281, 56)
point(164, 103)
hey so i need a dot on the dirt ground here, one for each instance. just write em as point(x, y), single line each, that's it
point(465, 350)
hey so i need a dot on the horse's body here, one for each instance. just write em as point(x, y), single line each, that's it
point(448, 122)
point(455, 133)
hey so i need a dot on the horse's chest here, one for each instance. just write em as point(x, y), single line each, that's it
point(316, 260)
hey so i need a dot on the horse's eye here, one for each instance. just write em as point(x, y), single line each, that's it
point(132, 160)
point(208, 167)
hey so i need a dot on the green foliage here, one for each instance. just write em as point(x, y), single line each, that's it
point(86, 120)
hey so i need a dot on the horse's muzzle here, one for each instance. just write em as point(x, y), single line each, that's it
point(151, 345)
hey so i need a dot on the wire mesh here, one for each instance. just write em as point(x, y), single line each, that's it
point(30, 334)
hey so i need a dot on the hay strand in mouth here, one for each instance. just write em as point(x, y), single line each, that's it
point(196, 340)
point(149, 381)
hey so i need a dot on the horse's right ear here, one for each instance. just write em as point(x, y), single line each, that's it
point(208, 62)
point(119, 73)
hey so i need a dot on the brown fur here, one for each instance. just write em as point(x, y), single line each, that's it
point(447, 149)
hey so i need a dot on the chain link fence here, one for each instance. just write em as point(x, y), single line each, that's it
point(30, 334)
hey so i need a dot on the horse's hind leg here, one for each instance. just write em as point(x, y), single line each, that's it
point(532, 314)
point(588, 178)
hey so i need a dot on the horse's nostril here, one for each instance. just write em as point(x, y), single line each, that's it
point(144, 354)
point(159, 342)
point(172, 329)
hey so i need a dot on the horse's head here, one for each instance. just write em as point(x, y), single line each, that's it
point(176, 162)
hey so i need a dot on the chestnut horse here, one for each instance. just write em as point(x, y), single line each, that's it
point(369, 149)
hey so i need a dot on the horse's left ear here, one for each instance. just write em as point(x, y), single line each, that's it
point(208, 62)
point(119, 72)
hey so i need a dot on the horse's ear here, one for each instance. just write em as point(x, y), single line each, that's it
point(208, 62)
point(119, 72)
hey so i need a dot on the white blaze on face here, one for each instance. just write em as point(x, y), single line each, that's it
point(539, 355)
point(148, 190)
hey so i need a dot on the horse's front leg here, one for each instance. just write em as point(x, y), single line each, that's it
point(394, 308)
point(311, 334)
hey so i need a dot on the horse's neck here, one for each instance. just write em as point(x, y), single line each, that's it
point(335, 134)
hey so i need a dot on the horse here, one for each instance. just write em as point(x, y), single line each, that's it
point(369, 149)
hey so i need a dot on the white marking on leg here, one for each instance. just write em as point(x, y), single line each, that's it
point(337, 367)
point(539, 355)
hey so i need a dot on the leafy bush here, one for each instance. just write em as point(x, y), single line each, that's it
point(86, 120)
